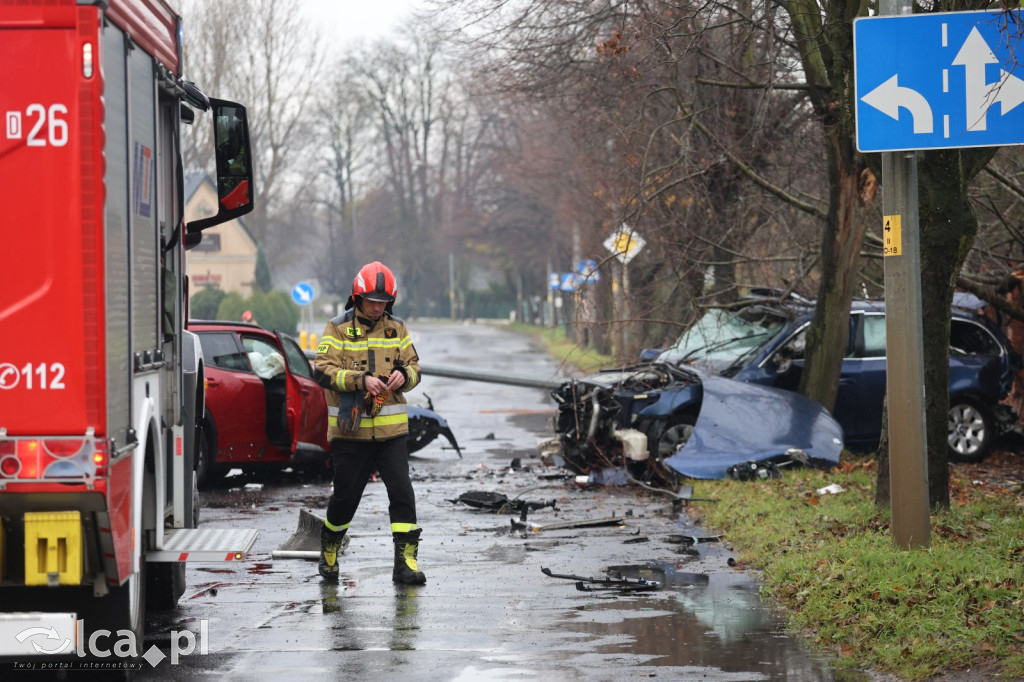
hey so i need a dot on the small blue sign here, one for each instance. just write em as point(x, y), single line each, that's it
point(569, 281)
point(938, 81)
point(588, 271)
point(554, 281)
point(302, 293)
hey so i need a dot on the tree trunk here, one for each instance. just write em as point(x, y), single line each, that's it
point(852, 185)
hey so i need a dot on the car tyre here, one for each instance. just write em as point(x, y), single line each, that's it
point(971, 430)
point(207, 473)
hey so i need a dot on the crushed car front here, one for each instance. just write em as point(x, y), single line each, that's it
point(663, 420)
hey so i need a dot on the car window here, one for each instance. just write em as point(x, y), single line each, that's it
point(297, 362)
point(794, 348)
point(970, 338)
point(720, 338)
point(221, 349)
point(265, 357)
point(873, 330)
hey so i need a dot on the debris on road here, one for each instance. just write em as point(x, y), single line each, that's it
point(692, 539)
point(500, 503)
point(619, 584)
point(523, 525)
point(304, 543)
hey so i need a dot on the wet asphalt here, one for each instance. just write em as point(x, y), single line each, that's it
point(488, 611)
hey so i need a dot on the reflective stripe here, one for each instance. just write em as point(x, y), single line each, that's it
point(390, 420)
point(343, 375)
point(332, 527)
point(330, 340)
point(349, 344)
point(332, 411)
point(402, 527)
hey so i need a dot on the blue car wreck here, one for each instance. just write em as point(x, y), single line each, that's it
point(660, 421)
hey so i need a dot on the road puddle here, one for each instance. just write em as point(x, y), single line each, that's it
point(712, 626)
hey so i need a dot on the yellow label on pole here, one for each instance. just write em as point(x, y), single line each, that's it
point(892, 235)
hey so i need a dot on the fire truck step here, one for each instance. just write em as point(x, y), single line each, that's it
point(205, 544)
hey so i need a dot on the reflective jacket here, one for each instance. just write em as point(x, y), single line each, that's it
point(353, 346)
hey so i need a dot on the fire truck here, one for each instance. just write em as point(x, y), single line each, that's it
point(100, 383)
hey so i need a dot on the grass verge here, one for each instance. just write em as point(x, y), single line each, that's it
point(830, 561)
point(584, 359)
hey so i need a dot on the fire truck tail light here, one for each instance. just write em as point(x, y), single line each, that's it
point(87, 60)
point(63, 448)
point(9, 466)
point(53, 458)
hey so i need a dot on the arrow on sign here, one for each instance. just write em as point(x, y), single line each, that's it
point(973, 56)
point(889, 97)
point(1011, 91)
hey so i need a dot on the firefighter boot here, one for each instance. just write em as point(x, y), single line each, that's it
point(406, 547)
point(330, 545)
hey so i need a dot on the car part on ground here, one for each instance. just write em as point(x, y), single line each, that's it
point(425, 425)
point(499, 503)
point(618, 584)
point(660, 421)
point(304, 543)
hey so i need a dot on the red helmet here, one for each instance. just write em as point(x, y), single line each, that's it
point(374, 282)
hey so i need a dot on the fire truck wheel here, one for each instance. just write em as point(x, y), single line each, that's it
point(124, 608)
point(165, 583)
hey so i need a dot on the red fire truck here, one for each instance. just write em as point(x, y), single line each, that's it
point(100, 383)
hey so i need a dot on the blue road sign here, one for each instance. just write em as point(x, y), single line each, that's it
point(588, 271)
point(938, 81)
point(302, 293)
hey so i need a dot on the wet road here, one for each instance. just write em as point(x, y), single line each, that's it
point(487, 611)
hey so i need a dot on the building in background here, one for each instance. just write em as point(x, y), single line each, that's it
point(226, 257)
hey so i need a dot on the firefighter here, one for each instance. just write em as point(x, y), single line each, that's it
point(366, 363)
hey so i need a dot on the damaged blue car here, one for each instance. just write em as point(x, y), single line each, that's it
point(660, 421)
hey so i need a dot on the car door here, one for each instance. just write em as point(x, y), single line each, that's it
point(861, 391)
point(270, 366)
point(234, 397)
point(307, 406)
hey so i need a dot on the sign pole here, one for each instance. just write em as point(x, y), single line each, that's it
point(908, 471)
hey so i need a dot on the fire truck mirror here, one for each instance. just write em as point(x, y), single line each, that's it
point(233, 151)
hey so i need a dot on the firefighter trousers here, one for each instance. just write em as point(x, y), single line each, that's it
point(354, 462)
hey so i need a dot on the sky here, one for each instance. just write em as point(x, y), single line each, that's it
point(345, 21)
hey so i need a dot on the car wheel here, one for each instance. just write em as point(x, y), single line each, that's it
point(971, 431)
point(673, 439)
point(207, 472)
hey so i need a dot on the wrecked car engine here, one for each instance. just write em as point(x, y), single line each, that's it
point(659, 421)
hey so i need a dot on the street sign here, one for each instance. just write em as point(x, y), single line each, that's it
point(588, 271)
point(938, 81)
point(624, 243)
point(554, 281)
point(570, 280)
point(303, 294)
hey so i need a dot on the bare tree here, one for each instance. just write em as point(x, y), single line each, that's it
point(262, 54)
